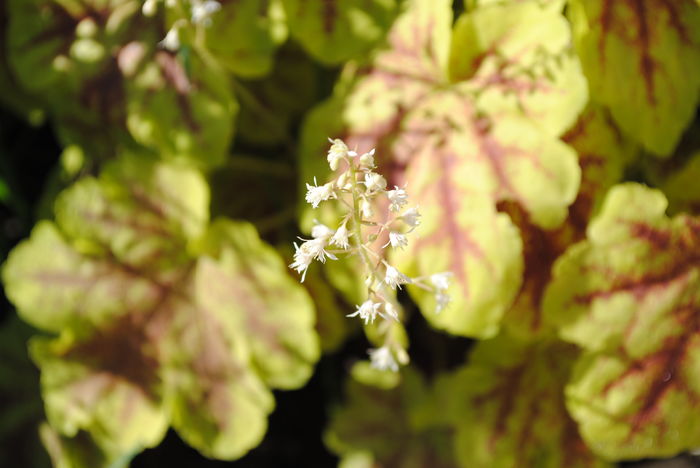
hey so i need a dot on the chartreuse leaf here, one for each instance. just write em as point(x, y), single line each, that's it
point(253, 278)
point(458, 161)
point(508, 406)
point(603, 154)
point(79, 451)
point(628, 295)
point(162, 319)
point(245, 34)
point(385, 427)
point(518, 56)
point(338, 30)
point(654, 48)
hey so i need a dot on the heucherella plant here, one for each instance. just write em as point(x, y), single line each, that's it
point(366, 233)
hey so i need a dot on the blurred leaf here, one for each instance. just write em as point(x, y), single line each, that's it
point(337, 30)
point(179, 114)
point(20, 400)
point(653, 47)
point(244, 35)
point(160, 322)
point(628, 296)
point(508, 406)
point(381, 423)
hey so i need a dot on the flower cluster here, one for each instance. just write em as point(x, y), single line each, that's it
point(359, 191)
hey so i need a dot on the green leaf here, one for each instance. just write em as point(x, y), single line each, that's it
point(79, 452)
point(680, 188)
point(518, 57)
point(163, 319)
point(458, 160)
point(508, 407)
point(179, 114)
point(628, 296)
point(250, 277)
point(338, 30)
point(653, 47)
point(386, 426)
point(245, 34)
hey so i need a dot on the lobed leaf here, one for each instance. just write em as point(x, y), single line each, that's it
point(161, 322)
point(508, 406)
point(620, 42)
point(628, 296)
point(518, 57)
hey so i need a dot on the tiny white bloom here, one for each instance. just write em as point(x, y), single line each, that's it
point(366, 209)
point(383, 359)
point(441, 280)
point(171, 41)
point(149, 8)
point(338, 151)
point(395, 278)
point(396, 239)
point(441, 301)
point(410, 217)
point(202, 11)
point(398, 198)
point(302, 260)
point(340, 238)
point(390, 312)
point(321, 231)
point(374, 182)
point(317, 193)
point(367, 159)
point(367, 311)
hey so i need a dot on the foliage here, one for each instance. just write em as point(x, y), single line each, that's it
point(529, 133)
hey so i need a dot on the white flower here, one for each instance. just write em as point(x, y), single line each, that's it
point(367, 159)
point(395, 278)
point(441, 280)
point(390, 311)
point(171, 41)
point(441, 301)
point(367, 311)
point(366, 209)
point(316, 194)
point(410, 217)
point(202, 11)
point(302, 260)
point(383, 359)
point(398, 198)
point(321, 231)
point(149, 8)
point(374, 182)
point(338, 151)
point(310, 250)
point(396, 239)
point(340, 238)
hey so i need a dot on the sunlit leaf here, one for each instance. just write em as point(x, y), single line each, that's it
point(653, 47)
point(628, 295)
point(518, 56)
point(336, 30)
point(160, 322)
point(508, 405)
